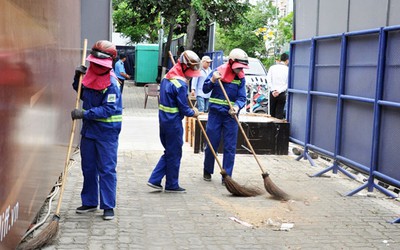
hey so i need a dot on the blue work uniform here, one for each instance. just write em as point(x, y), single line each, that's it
point(221, 123)
point(173, 107)
point(99, 144)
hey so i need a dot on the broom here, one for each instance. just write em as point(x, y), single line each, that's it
point(232, 186)
point(48, 233)
point(271, 188)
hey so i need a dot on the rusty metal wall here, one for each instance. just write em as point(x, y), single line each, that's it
point(40, 45)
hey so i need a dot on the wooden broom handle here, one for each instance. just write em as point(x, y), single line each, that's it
point(240, 126)
point(71, 138)
point(201, 125)
point(207, 139)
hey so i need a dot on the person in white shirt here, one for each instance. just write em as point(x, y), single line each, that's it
point(277, 79)
point(197, 85)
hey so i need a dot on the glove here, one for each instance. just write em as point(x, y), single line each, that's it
point(196, 112)
point(234, 110)
point(216, 75)
point(77, 114)
point(80, 70)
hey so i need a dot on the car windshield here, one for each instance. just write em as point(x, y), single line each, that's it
point(255, 68)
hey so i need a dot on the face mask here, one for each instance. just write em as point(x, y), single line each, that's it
point(98, 69)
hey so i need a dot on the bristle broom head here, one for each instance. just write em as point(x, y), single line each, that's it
point(274, 190)
point(238, 190)
point(44, 237)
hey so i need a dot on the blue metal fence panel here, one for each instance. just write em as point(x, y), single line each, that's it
point(357, 131)
point(344, 101)
point(324, 93)
point(323, 122)
point(297, 102)
point(392, 67)
point(362, 65)
point(389, 157)
point(301, 65)
point(298, 115)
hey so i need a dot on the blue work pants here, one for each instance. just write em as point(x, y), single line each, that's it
point(99, 162)
point(221, 125)
point(171, 136)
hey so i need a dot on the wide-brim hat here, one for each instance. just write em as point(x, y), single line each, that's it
point(192, 73)
point(106, 62)
point(238, 65)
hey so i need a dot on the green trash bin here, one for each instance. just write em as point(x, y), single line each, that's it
point(146, 63)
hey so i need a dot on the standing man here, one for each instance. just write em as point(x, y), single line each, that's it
point(120, 71)
point(173, 107)
point(197, 85)
point(221, 122)
point(277, 79)
point(102, 117)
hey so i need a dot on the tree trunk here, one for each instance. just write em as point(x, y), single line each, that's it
point(168, 43)
point(191, 28)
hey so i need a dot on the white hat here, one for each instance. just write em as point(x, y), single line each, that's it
point(206, 59)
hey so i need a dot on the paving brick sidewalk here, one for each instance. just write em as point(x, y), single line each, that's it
point(202, 218)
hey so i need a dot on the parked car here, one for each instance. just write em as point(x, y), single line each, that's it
point(256, 87)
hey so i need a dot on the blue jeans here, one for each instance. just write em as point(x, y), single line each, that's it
point(202, 104)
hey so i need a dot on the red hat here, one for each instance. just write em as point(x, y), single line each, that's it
point(106, 62)
point(237, 65)
point(102, 53)
point(192, 73)
point(192, 61)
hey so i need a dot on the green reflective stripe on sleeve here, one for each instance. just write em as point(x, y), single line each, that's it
point(114, 118)
point(220, 101)
point(168, 109)
point(238, 82)
point(176, 83)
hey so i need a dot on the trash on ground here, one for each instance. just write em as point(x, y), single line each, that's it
point(241, 222)
point(273, 223)
point(286, 226)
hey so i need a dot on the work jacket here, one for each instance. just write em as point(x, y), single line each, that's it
point(102, 111)
point(173, 101)
point(236, 91)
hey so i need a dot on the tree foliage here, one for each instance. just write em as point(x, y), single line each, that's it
point(244, 35)
point(140, 19)
point(136, 25)
point(240, 24)
point(285, 31)
point(263, 34)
